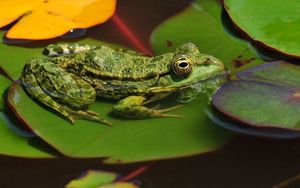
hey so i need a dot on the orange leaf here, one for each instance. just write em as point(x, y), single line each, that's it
point(10, 10)
point(44, 19)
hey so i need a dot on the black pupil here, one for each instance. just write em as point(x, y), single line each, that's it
point(183, 65)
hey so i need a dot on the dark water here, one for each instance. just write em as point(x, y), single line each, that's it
point(246, 162)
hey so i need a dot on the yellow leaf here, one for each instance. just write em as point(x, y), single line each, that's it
point(10, 10)
point(44, 19)
point(119, 185)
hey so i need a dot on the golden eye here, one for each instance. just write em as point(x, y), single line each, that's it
point(182, 65)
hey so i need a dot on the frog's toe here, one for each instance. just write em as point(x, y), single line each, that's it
point(70, 119)
point(160, 113)
point(90, 115)
point(171, 108)
point(169, 115)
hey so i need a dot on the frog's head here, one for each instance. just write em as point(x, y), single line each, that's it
point(190, 66)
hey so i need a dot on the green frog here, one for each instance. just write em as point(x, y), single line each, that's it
point(73, 75)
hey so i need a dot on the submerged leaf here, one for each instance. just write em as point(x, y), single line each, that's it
point(266, 96)
point(99, 179)
point(44, 19)
point(92, 179)
point(120, 185)
point(271, 23)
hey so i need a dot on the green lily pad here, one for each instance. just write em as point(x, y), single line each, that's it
point(127, 140)
point(4, 84)
point(14, 142)
point(201, 24)
point(266, 96)
point(271, 23)
point(99, 179)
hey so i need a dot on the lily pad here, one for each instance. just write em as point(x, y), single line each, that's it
point(99, 179)
point(278, 72)
point(201, 24)
point(267, 96)
point(127, 140)
point(4, 84)
point(270, 23)
point(40, 19)
point(14, 142)
point(266, 133)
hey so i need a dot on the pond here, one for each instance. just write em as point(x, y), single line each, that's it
point(205, 148)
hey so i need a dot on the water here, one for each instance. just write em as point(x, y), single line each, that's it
point(246, 162)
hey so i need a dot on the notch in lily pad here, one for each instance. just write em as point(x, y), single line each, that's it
point(266, 96)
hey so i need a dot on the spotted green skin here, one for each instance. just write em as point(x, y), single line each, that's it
point(70, 82)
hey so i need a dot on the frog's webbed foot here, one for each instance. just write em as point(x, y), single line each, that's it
point(132, 107)
point(33, 88)
point(54, 50)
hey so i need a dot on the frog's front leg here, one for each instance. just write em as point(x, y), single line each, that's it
point(132, 107)
point(54, 50)
point(186, 95)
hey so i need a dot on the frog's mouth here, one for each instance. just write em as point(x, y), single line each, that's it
point(216, 79)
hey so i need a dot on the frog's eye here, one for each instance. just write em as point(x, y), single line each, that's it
point(182, 65)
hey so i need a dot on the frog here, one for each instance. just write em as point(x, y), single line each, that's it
point(72, 76)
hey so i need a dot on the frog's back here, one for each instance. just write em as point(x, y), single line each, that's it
point(118, 65)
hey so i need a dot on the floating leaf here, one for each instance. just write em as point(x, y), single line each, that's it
point(127, 140)
point(44, 19)
point(278, 72)
point(236, 127)
point(99, 179)
point(267, 96)
point(14, 142)
point(271, 23)
point(120, 185)
point(201, 24)
point(4, 84)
